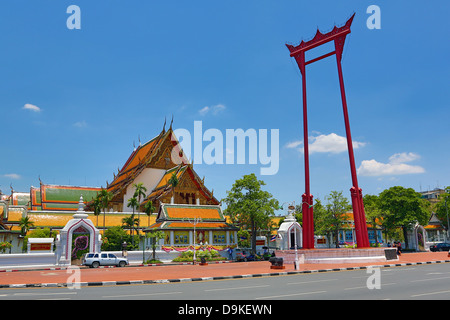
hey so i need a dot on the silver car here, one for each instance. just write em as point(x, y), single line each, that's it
point(94, 260)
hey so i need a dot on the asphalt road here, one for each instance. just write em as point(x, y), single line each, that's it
point(409, 282)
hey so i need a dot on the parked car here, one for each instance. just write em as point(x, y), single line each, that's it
point(94, 260)
point(440, 247)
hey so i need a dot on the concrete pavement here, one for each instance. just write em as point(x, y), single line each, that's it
point(59, 277)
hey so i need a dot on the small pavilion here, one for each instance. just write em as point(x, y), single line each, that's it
point(182, 222)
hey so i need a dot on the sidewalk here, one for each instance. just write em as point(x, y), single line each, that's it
point(54, 277)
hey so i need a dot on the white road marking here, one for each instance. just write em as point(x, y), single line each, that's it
point(237, 288)
point(312, 281)
point(429, 293)
point(143, 294)
point(290, 295)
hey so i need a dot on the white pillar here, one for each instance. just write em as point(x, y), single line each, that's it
point(191, 238)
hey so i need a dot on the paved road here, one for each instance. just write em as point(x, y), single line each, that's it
point(409, 282)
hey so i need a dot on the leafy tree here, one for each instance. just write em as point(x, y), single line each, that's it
point(243, 238)
point(113, 238)
point(250, 206)
point(337, 206)
point(25, 224)
point(38, 233)
point(105, 198)
point(139, 191)
point(403, 208)
point(97, 206)
point(442, 207)
point(131, 221)
point(148, 209)
point(173, 181)
point(155, 235)
point(373, 212)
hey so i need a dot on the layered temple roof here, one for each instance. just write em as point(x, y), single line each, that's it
point(158, 153)
point(178, 216)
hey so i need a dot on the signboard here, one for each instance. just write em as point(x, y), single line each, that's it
point(40, 246)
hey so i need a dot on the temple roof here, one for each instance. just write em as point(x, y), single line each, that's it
point(151, 154)
point(181, 216)
point(185, 175)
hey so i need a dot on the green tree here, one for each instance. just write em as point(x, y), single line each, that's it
point(337, 206)
point(155, 235)
point(139, 191)
point(403, 207)
point(97, 206)
point(39, 233)
point(148, 209)
point(173, 181)
point(442, 207)
point(114, 237)
point(132, 221)
point(250, 206)
point(243, 238)
point(322, 223)
point(105, 198)
point(373, 212)
point(25, 224)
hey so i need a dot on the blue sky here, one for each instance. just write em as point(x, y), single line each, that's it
point(74, 101)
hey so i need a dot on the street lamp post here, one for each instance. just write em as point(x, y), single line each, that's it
point(194, 222)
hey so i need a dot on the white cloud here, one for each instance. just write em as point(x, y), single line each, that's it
point(294, 144)
point(80, 124)
point(31, 107)
point(403, 157)
point(216, 109)
point(330, 143)
point(395, 166)
point(14, 176)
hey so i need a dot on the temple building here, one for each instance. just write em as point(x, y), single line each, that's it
point(153, 164)
point(193, 224)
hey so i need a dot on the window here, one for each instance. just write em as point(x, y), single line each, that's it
point(104, 255)
point(110, 255)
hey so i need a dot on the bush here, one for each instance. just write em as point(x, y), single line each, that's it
point(151, 261)
point(188, 256)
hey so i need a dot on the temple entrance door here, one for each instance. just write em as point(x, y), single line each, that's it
point(78, 235)
point(294, 238)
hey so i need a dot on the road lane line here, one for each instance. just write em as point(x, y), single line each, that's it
point(24, 294)
point(237, 288)
point(365, 287)
point(312, 281)
point(429, 279)
point(290, 295)
point(143, 294)
point(429, 293)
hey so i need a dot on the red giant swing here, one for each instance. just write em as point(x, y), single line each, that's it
point(338, 35)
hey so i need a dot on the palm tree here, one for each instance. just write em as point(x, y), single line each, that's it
point(173, 181)
point(129, 222)
point(25, 224)
point(97, 206)
point(139, 190)
point(105, 198)
point(133, 203)
point(148, 209)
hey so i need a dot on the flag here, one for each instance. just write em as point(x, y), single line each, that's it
point(273, 238)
